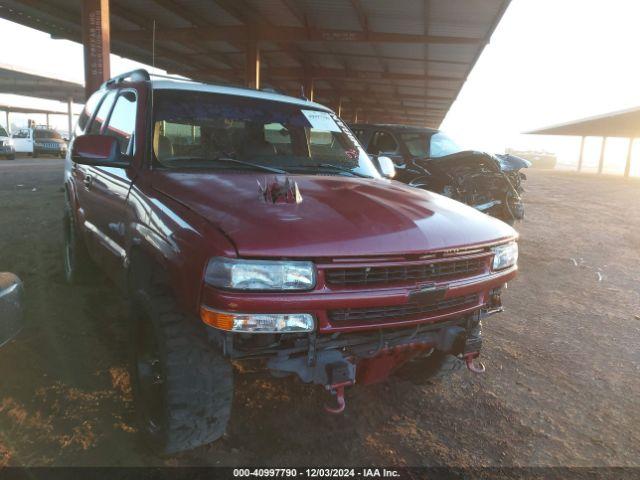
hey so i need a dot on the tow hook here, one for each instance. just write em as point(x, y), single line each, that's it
point(468, 359)
point(338, 391)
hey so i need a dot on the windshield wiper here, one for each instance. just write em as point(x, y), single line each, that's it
point(250, 164)
point(336, 167)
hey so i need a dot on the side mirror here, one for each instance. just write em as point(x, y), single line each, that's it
point(99, 151)
point(387, 168)
point(11, 308)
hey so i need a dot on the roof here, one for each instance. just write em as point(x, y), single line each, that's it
point(237, 91)
point(395, 126)
point(394, 61)
point(622, 123)
point(22, 82)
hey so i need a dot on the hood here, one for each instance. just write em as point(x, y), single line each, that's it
point(504, 162)
point(337, 216)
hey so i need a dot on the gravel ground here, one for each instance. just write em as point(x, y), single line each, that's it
point(563, 360)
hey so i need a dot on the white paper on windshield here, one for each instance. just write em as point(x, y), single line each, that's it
point(321, 121)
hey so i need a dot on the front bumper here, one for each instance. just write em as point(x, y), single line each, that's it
point(51, 149)
point(7, 150)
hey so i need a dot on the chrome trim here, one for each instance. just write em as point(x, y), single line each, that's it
point(108, 241)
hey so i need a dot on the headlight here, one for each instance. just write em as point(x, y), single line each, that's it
point(237, 274)
point(505, 256)
point(257, 322)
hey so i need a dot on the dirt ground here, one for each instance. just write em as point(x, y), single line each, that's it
point(563, 360)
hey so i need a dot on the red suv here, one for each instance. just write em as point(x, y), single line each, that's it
point(248, 226)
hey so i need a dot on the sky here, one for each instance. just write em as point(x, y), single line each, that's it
point(549, 61)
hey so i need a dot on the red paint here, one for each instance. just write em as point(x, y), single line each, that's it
point(378, 368)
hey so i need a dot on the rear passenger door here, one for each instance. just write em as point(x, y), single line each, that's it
point(110, 186)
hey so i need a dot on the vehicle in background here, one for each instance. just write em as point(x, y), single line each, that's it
point(429, 159)
point(7, 149)
point(251, 229)
point(39, 141)
point(538, 159)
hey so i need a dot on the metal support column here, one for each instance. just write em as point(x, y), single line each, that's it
point(70, 116)
point(48, 121)
point(307, 85)
point(627, 167)
point(6, 117)
point(252, 71)
point(339, 109)
point(602, 149)
point(581, 157)
point(96, 38)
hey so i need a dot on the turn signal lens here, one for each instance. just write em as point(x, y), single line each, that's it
point(258, 322)
point(223, 321)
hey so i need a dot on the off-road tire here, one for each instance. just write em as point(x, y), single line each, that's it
point(196, 390)
point(78, 266)
point(430, 369)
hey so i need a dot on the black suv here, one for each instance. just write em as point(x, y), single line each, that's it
point(431, 160)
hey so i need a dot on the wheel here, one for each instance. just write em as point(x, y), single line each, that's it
point(34, 154)
point(78, 266)
point(183, 386)
point(11, 157)
point(424, 370)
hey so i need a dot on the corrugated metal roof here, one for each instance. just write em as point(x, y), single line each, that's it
point(410, 53)
point(623, 123)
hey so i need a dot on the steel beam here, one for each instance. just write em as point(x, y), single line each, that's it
point(70, 116)
point(96, 40)
point(252, 75)
point(602, 149)
point(627, 166)
point(581, 157)
point(284, 34)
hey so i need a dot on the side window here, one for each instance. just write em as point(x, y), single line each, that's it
point(103, 113)
point(87, 112)
point(383, 142)
point(21, 134)
point(122, 122)
point(359, 133)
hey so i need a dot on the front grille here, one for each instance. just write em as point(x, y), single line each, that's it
point(398, 312)
point(403, 273)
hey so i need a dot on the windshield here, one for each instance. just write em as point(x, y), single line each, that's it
point(212, 131)
point(416, 143)
point(47, 134)
point(442, 145)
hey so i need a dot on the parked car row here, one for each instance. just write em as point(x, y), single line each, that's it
point(7, 149)
point(39, 141)
point(253, 229)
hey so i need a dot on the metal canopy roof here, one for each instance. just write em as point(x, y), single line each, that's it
point(623, 123)
point(394, 61)
point(20, 82)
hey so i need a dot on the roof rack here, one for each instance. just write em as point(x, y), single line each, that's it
point(139, 75)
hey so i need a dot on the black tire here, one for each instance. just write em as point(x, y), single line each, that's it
point(34, 154)
point(78, 266)
point(183, 386)
point(11, 157)
point(429, 369)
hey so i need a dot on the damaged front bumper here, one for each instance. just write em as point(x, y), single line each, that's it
point(335, 361)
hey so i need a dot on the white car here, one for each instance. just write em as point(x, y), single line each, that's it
point(39, 141)
point(6, 145)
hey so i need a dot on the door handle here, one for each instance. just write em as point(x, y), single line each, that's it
point(88, 180)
